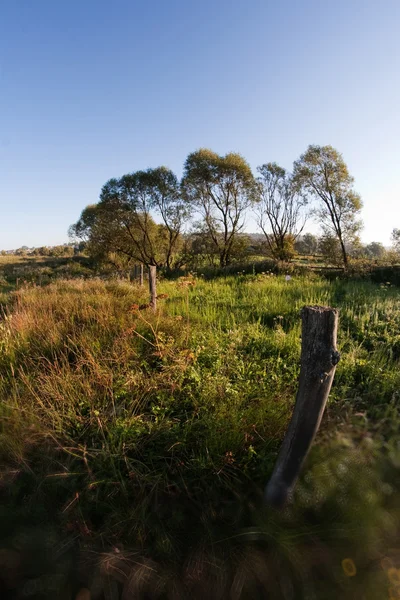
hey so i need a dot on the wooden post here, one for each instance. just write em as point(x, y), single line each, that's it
point(153, 286)
point(136, 272)
point(141, 274)
point(319, 358)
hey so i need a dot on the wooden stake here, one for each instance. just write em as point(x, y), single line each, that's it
point(153, 286)
point(319, 358)
point(141, 274)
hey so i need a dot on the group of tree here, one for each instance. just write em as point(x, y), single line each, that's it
point(328, 248)
point(152, 218)
point(62, 250)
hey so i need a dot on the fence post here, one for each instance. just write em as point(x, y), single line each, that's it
point(153, 286)
point(141, 274)
point(319, 358)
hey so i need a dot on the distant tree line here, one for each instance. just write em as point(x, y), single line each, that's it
point(61, 250)
point(151, 217)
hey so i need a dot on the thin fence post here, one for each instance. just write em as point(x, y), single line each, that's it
point(141, 274)
point(319, 357)
point(153, 286)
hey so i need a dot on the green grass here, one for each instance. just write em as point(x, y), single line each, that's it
point(158, 432)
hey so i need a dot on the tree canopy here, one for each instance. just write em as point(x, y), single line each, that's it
point(322, 173)
point(220, 189)
point(122, 222)
point(280, 213)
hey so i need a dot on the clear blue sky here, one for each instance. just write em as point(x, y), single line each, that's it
point(91, 89)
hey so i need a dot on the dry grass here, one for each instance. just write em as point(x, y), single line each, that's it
point(153, 434)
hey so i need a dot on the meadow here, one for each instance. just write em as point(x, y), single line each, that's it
point(135, 446)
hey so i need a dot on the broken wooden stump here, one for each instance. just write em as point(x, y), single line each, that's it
point(319, 357)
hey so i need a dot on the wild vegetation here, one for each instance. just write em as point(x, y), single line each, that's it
point(214, 197)
point(136, 437)
point(135, 445)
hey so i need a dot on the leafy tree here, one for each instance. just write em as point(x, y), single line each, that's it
point(395, 238)
point(220, 188)
point(307, 244)
point(331, 250)
point(83, 227)
point(121, 223)
point(280, 210)
point(200, 249)
point(119, 236)
point(322, 173)
point(375, 250)
point(164, 197)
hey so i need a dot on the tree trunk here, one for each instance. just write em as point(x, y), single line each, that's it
point(153, 286)
point(319, 358)
point(344, 254)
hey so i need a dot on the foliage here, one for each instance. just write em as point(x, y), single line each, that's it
point(375, 250)
point(330, 249)
point(395, 237)
point(121, 223)
point(307, 244)
point(158, 432)
point(221, 189)
point(279, 211)
point(322, 173)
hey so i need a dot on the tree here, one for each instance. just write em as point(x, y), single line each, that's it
point(307, 244)
point(375, 250)
point(83, 227)
point(164, 197)
point(331, 250)
point(105, 232)
point(279, 211)
point(220, 188)
point(121, 226)
point(122, 222)
point(395, 238)
point(322, 173)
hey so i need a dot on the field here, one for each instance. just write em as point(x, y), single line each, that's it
point(135, 446)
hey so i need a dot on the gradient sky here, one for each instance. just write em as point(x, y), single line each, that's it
point(91, 89)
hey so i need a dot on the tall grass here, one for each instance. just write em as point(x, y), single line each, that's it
point(158, 432)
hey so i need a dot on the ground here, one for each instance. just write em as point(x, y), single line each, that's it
point(156, 433)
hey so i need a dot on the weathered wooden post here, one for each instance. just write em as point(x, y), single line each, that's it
point(319, 358)
point(141, 275)
point(153, 286)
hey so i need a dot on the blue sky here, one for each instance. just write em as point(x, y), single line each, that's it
point(92, 89)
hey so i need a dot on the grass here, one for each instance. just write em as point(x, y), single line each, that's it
point(154, 434)
point(19, 270)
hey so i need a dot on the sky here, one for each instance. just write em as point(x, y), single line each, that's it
point(93, 89)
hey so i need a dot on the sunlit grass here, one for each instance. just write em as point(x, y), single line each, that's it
point(160, 430)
